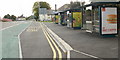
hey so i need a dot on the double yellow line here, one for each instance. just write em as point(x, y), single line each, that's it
point(52, 44)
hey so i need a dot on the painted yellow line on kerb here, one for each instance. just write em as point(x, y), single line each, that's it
point(53, 49)
point(54, 54)
point(59, 52)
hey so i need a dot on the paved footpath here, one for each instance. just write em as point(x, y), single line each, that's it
point(10, 40)
point(93, 44)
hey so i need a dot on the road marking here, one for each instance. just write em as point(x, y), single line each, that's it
point(32, 29)
point(55, 55)
point(59, 52)
point(89, 55)
point(62, 44)
point(60, 40)
point(20, 48)
point(53, 49)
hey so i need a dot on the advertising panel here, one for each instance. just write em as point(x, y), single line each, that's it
point(77, 19)
point(109, 20)
point(57, 18)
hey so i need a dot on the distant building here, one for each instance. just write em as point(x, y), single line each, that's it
point(44, 14)
point(21, 18)
point(64, 7)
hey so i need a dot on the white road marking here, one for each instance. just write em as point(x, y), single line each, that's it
point(89, 55)
point(32, 29)
point(20, 48)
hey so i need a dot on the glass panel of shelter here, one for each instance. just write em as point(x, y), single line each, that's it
point(89, 15)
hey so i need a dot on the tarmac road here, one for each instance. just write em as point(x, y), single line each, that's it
point(7, 24)
point(34, 43)
point(10, 38)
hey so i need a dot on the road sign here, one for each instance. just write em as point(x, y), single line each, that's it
point(42, 11)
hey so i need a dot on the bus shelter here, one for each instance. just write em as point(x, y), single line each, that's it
point(74, 18)
point(64, 18)
point(102, 18)
point(61, 18)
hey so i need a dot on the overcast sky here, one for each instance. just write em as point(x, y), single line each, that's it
point(19, 7)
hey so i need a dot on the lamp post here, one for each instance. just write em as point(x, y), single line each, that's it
point(55, 10)
point(55, 7)
point(38, 10)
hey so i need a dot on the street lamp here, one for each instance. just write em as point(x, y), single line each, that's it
point(38, 10)
point(55, 7)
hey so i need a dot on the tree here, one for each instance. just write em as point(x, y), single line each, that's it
point(10, 17)
point(44, 5)
point(30, 17)
point(13, 17)
point(38, 5)
point(7, 16)
point(76, 4)
point(35, 9)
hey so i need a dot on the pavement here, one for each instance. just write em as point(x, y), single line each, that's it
point(93, 44)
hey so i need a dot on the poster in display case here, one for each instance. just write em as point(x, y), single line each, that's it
point(77, 19)
point(109, 20)
point(57, 19)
